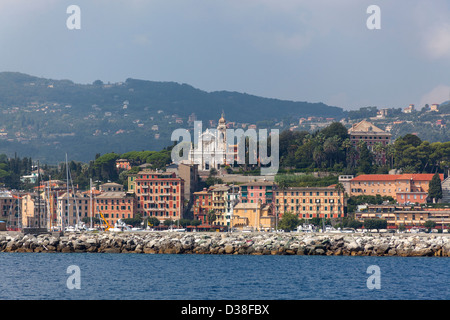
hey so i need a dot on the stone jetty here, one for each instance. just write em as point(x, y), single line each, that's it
point(375, 244)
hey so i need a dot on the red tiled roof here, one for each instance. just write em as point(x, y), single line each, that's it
point(376, 177)
point(420, 176)
point(394, 177)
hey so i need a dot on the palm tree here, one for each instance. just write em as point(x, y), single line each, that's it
point(339, 188)
point(378, 150)
point(331, 148)
point(346, 144)
point(318, 155)
point(390, 153)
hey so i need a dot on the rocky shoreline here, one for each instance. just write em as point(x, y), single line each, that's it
point(376, 244)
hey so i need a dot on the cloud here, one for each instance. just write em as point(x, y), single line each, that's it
point(437, 43)
point(429, 25)
point(437, 95)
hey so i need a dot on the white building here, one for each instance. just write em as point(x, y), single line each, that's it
point(210, 148)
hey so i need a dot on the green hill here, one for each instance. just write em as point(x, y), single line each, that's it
point(45, 118)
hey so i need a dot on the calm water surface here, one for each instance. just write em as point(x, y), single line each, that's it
point(220, 277)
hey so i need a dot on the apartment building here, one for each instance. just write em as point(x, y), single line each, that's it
point(371, 135)
point(257, 191)
point(220, 199)
point(34, 211)
point(8, 206)
point(404, 188)
point(202, 204)
point(253, 217)
point(115, 205)
point(310, 202)
point(72, 208)
point(159, 194)
point(408, 216)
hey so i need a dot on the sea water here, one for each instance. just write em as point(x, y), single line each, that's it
point(74, 276)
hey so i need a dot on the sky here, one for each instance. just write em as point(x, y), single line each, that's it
point(315, 51)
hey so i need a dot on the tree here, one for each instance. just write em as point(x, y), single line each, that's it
point(105, 166)
point(135, 222)
point(429, 224)
point(213, 172)
point(435, 188)
point(375, 224)
point(211, 216)
point(288, 222)
point(153, 222)
point(365, 158)
point(339, 188)
point(195, 222)
point(168, 222)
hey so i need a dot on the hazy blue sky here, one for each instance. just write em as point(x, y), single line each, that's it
point(316, 50)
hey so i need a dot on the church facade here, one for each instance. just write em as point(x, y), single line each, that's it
point(210, 148)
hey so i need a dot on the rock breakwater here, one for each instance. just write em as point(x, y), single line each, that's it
point(404, 245)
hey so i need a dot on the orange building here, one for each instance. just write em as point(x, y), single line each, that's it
point(408, 216)
point(115, 205)
point(202, 204)
point(403, 188)
point(159, 194)
point(123, 164)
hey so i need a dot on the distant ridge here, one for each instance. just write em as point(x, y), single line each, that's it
point(45, 118)
point(181, 99)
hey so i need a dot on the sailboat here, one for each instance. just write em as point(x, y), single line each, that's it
point(79, 226)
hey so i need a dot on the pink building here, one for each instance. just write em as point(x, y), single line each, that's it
point(255, 191)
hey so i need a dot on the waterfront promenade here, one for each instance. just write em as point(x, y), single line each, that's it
point(256, 243)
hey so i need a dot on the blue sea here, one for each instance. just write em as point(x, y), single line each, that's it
point(86, 276)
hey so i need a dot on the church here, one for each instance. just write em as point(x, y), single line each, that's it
point(210, 149)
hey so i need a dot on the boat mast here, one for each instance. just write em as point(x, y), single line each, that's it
point(19, 213)
point(90, 204)
point(68, 203)
point(74, 201)
point(39, 197)
point(49, 217)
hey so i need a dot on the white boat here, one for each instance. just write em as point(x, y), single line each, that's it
point(70, 229)
point(308, 228)
point(176, 230)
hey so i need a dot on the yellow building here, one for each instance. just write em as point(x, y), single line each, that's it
point(33, 211)
point(310, 202)
point(253, 216)
point(219, 203)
